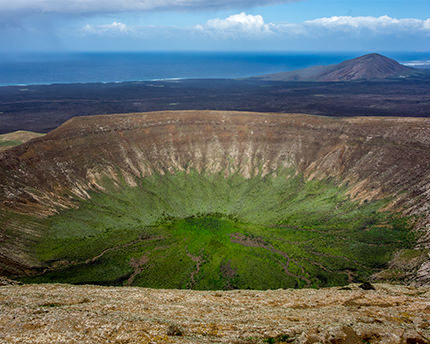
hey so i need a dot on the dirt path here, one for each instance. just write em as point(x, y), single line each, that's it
point(131, 243)
point(228, 273)
point(137, 265)
point(321, 254)
point(199, 261)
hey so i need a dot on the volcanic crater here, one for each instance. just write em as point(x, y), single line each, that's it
point(218, 200)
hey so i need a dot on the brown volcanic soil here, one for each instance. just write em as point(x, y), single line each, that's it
point(377, 157)
point(87, 314)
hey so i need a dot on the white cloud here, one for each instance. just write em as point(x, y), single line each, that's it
point(241, 21)
point(383, 24)
point(97, 6)
point(237, 24)
point(254, 25)
point(114, 28)
point(234, 26)
point(250, 26)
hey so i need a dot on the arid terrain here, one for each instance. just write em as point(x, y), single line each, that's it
point(89, 314)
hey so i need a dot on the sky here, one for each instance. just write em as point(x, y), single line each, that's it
point(214, 25)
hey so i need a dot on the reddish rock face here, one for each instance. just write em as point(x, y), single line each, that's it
point(377, 157)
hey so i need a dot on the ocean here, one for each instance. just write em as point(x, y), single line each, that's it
point(50, 68)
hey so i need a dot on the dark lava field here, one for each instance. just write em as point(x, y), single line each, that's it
point(44, 107)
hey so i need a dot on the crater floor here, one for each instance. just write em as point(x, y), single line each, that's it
point(214, 232)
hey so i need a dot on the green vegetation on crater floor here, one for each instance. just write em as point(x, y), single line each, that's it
point(206, 231)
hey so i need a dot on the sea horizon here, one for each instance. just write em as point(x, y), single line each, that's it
point(26, 69)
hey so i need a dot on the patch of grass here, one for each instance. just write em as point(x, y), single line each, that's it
point(407, 255)
point(50, 305)
point(174, 330)
point(181, 230)
point(11, 143)
point(282, 338)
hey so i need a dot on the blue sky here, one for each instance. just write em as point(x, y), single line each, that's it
point(240, 25)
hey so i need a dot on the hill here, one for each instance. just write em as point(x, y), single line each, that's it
point(218, 200)
point(367, 67)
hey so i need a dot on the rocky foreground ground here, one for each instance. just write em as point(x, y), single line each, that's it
point(92, 314)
